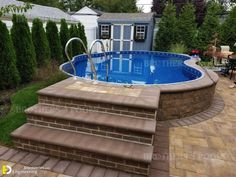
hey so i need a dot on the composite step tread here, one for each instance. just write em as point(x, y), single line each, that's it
point(86, 142)
point(102, 119)
point(135, 96)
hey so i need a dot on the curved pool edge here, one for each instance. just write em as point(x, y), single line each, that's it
point(182, 99)
point(208, 78)
point(136, 52)
point(187, 99)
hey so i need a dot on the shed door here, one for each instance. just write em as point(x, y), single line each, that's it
point(122, 37)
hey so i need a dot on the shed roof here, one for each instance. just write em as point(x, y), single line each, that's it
point(39, 11)
point(87, 11)
point(136, 17)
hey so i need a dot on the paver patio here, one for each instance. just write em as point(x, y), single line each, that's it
point(199, 146)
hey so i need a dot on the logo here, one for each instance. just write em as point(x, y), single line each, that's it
point(6, 170)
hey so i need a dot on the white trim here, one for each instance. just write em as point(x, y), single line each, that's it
point(132, 38)
point(106, 30)
point(140, 31)
point(112, 37)
point(121, 37)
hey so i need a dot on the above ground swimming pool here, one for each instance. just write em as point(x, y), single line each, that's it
point(135, 67)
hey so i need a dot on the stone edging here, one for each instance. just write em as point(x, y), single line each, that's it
point(216, 107)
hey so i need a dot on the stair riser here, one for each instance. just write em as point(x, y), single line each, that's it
point(83, 156)
point(106, 131)
point(100, 107)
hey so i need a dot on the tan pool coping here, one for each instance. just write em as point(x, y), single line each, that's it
point(142, 97)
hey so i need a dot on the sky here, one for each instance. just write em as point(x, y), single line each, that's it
point(145, 4)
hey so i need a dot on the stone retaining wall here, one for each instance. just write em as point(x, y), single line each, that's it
point(176, 105)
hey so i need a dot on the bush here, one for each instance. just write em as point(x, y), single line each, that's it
point(210, 27)
point(64, 35)
point(9, 76)
point(178, 48)
point(40, 41)
point(24, 48)
point(187, 27)
point(168, 31)
point(75, 45)
point(54, 42)
point(82, 36)
point(229, 30)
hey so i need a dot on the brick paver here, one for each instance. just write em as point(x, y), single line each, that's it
point(203, 145)
point(207, 149)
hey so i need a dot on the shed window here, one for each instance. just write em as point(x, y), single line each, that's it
point(105, 31)
point(140, 32)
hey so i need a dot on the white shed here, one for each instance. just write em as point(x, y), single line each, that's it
point(88, 17)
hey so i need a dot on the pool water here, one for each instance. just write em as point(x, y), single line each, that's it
point(136, 68)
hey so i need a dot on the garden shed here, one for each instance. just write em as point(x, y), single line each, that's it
point(127, 31)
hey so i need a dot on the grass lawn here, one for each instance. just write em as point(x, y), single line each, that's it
point(21, 100)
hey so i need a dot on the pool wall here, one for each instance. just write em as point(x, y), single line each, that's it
point(187, 99)
point(180, 99)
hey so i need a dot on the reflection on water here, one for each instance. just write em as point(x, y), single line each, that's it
point(137, 69)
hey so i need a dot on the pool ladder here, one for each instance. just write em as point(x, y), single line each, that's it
point(89, 54)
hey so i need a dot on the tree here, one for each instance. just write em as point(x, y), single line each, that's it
point(52, 3)
point(24, 48)
point(210, 27)
point(14, 8)
point(200, 6)
point(75, 45)
point(116, 5)
point(9, 76)
point(40, 41)
point(64, 35)
point(82, 36)
point(187, 27)
point(75, 5)
point(158, 7)
point(54, 42)
point(167, 33)
point(228, 29)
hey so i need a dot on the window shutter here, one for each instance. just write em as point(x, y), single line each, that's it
point(146, 29)
point(100, 31)
point(109, 31)
point(135, 37)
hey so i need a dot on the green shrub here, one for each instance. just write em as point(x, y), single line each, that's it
point(75, 45)
point(229, 30)
point(9, 76)
point(54, 42)
point(24, 48)
point(64, 35)
point(187, 26)
point(210, 27)
point(82, 36)
point(178, 48)
point(40, 41)
point(168, 31)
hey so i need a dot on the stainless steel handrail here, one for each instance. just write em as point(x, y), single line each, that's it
point(85, 49)
point(103, 50)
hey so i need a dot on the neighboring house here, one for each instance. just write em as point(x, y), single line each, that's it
point(127, 31)
point(88, 17)
point(45, 13)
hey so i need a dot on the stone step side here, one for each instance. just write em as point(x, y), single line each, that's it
point(125, 156)
point(98, 106)
point(114, 126)
point(134, 101)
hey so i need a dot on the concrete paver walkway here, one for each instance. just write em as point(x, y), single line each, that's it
point(207, 149)
point(199, 146)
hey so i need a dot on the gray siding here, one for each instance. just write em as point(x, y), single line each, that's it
point(137, 45)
